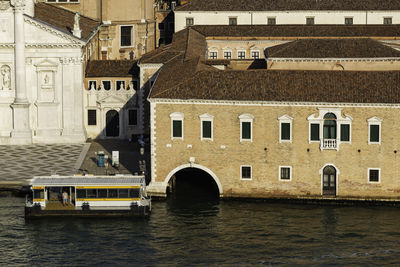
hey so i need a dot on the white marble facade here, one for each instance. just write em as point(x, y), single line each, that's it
point(41, 79)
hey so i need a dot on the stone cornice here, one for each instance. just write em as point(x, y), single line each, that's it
point(7, 45)
point(268, 103)
point(53, 45)
point(54, 31)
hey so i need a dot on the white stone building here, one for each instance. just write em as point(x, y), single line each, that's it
point(41, 73)
point(262, 12)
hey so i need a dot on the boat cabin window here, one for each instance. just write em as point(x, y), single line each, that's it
point(38, 194)
point(123, 193)
point(108, 193)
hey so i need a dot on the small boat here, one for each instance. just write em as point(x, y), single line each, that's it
point(119, 195)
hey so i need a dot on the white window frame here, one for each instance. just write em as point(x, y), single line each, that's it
point(279, 174)
point(103, 87)
point(132, 35)
point(310, 17)
point(391, 18)
point(255, 50)
point(340, 132)
point(210, 118)
point(227, 51)
point(186, 20)
point(229, 21)
point(176, 116)
point(89, 81)
point(212, 51)
point(379, 176)
point(246, 117)
point(239, 51)
point(285, 119)
point(352, 20)
point(268, 18)
point(241, 174)
point(374, 121)
point(319, 119)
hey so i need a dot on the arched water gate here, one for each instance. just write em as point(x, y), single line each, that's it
point(194, 172)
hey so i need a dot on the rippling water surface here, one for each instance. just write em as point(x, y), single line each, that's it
point(183, 233)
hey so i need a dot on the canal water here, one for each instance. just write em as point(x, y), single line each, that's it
point(206, 232)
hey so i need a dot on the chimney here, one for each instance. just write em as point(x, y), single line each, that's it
point(77, 29)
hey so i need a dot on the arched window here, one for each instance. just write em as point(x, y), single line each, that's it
point(329, 126)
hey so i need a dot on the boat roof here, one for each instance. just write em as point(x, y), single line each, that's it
point(55, 180)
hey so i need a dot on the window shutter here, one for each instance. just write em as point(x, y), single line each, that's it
point(374, 133)
point(206, 129)
point(345, 132)
point(285, 131)
point(177, 129)
point(246, 130)
point(314, 132)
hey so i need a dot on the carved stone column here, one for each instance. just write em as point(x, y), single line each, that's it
point(21, 133)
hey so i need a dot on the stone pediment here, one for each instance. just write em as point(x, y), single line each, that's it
point(37, 32)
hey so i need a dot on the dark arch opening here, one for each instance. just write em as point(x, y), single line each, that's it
point(192, 184)
point(112, 123)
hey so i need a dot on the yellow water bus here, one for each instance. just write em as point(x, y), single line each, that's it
point(119, 195)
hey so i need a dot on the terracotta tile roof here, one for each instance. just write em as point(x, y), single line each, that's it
point(275, 5)
point(63, 19)
point(188, 75)
point(332, 48)
point(299, 30)
point(112, 68)
point(286, 86)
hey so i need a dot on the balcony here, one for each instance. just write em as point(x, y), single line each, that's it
point(329, 144)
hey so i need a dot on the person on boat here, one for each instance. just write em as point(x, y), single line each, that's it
point(65, 198)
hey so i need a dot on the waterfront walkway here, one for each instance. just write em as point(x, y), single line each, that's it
point(19, 163)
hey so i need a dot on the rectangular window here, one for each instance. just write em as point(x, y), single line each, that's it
point(126, 35)
point(233, 21)
point(92, 85)
point(271, 21)
point(373, 175)
point(348, 21)
point(310, 21)
point(134, 192)
point(246, 130)
point(135, 85)
point(285, 173)
point(92, 118)
point(102, 193)
point(241, 54)
point(123, 193)
point(245, 172)
point(38, 194)
point(206, 129)
point(213, 55)
point(189, 22)
point(81, 193)
point(345, 132)
point(132, 117)
point(91, 193)
point(387, 21)
point(120, 85)
point(374, 133)
point(314, 132)
point(106, 85)
point(285, 131)
point(176, 129)
point(112, 193)
point(255, 54)
point(227, 55)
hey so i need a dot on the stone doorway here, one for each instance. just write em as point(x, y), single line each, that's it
point(329, 181)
